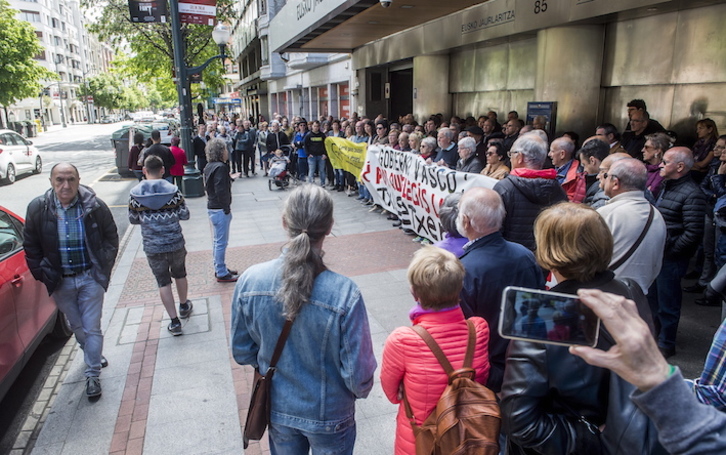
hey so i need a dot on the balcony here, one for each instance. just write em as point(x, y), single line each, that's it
point(305, 61)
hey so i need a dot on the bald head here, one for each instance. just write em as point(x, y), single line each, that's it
point(481, 212)
point(561, 151)
point(65, 180)
point(607, 162)
point(628, 174)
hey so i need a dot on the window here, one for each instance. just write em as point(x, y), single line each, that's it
point(40, 56)
point(57, 41)
point(30, 16)
point(55, 23)
point(11, 238)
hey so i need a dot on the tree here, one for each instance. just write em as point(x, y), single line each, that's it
point(151, 44)
point(20, 74)
point(106, 89)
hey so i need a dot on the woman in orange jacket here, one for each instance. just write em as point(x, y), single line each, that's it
point(436, 278)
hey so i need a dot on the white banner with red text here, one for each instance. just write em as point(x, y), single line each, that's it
point(402, 183)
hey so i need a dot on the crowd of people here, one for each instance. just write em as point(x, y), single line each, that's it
point(592, 220)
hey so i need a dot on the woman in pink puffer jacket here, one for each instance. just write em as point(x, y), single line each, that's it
point(436, 277)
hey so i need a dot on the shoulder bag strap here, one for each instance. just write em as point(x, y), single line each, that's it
point(434, 346)
point(441, 357)
point(280, 344)
point(471, 345)
point(635, 245)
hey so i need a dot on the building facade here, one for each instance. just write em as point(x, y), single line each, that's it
point(466, 57)
point(71, 52)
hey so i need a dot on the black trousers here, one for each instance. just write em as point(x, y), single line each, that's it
point(248, 164)
point(236, 161)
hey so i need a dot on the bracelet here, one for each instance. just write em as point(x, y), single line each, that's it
point(671, 370)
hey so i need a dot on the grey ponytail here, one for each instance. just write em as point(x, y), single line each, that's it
point(308, 216)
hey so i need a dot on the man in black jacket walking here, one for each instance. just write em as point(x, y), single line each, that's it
point(682, 204)
point(70, 245)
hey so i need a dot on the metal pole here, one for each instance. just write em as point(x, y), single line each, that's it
point(192, 183)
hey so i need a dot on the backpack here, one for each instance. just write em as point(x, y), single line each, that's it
point(466, 419)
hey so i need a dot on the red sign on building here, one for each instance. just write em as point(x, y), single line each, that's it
point(198, 12)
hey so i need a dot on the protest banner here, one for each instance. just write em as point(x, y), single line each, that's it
point(404, 184)
point(346, 155)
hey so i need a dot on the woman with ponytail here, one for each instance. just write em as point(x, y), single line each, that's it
point(327, 361)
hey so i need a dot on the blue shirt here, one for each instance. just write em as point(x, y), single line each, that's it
point(71, 237)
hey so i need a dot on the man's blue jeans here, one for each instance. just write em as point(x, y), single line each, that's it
point(665, 297)
point(316, 163)
point(80, 298)
point(291, 441)
point(220, 224)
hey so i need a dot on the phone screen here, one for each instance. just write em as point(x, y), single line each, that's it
point(547, 317)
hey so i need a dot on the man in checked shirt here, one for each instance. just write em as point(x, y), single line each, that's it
point(70, 245)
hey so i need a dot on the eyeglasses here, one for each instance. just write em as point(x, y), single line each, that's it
point(605, 176)
point(512, 152)
point(379, 128)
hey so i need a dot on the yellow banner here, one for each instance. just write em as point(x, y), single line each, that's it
point(346, 155)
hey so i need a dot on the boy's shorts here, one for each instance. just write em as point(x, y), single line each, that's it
point(166, 266)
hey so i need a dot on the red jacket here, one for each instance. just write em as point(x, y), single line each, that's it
point(574, 184)
point(408, 360)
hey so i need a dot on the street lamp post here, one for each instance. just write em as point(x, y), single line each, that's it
point(192, 183)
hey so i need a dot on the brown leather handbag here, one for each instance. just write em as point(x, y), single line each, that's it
point(258, 414)
point(467, 419)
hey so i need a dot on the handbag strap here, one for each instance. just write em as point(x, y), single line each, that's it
point(441, 357)
point(635, 245)
point(280, 344)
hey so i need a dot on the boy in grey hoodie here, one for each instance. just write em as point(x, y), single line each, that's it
point(157, 206)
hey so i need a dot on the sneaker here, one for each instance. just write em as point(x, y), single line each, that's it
point(104, 362)
point(93, 387)
point(175, 328)
point(233, 272)
point(417, 239)
point(426, 241)
point(228, 278)
point(185, 309)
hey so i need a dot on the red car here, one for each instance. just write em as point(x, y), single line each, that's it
point(27, 312)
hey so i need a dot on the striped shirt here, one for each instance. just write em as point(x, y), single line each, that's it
point(71, 237)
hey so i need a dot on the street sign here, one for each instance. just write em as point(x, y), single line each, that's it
point(148, 11)
point(89, 99)
point(198, 12)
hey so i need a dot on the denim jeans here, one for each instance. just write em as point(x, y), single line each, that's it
point(302, 168)
point(220, 223)
point(339, 177)
point(316, 163)
point(291, 441)
point(665, 297)
point(80, 298)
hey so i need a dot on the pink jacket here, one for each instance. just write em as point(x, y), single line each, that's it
point(408, 360)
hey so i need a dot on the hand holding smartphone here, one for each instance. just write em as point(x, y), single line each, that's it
point(547, 317)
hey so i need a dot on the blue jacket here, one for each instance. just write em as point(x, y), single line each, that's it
point(491, 264)
point(328, 359)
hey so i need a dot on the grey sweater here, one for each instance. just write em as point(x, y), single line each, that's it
point(684, 425)
point(157, 206)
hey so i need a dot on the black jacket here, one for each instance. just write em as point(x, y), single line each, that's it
point(315, 143)
point(683, 206)
point(276, 141)
point(524, 198)
point(199, 151)
point(163, 152)
point(491, 264)
point(218, 185)
point(541, 382)
point(41, 238)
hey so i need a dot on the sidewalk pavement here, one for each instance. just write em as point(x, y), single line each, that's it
point(169, 395)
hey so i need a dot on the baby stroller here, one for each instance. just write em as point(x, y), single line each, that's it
point(279, 175)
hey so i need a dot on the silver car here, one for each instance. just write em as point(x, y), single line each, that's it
point(17, 156)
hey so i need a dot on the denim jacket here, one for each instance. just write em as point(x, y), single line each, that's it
point(328, 359)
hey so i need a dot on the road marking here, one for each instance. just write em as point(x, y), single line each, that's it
point(99, 178)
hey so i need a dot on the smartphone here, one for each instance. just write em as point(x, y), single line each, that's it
point(547, 317)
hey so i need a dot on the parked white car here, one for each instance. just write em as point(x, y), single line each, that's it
point(17, 156)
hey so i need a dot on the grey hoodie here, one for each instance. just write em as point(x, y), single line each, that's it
point(157, 206)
